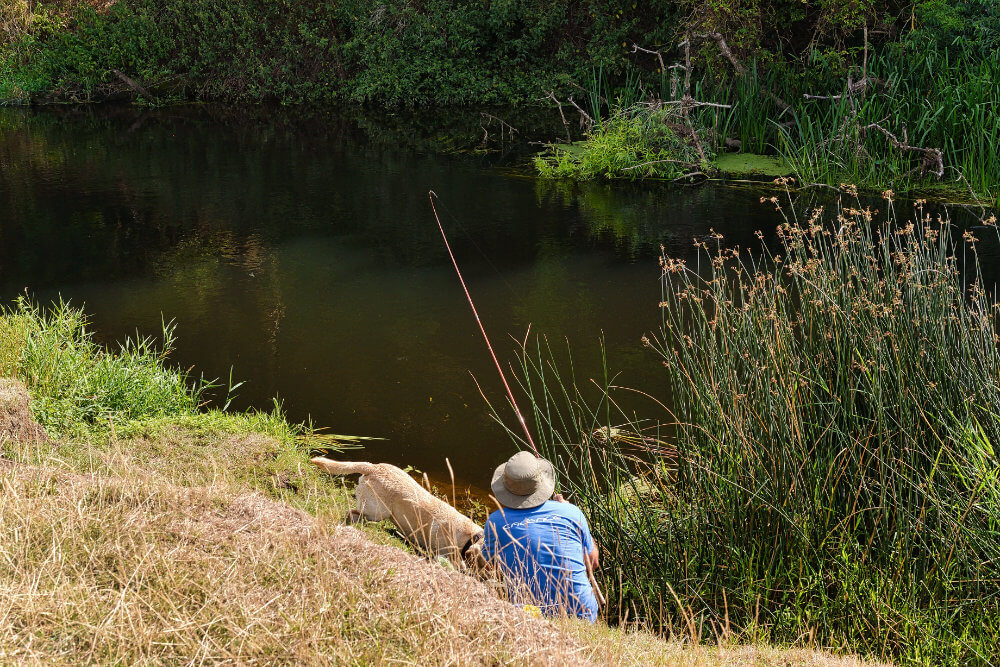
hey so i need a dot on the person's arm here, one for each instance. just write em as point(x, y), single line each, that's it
point(591, 559)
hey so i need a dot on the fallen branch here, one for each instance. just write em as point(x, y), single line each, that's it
point(552, 96)
point(690, 174)
point(586, 122)
point(504, 126)
point(691, 102)
point(933, 158)
point(983, 211)
point(133, 84)
point(644, 164)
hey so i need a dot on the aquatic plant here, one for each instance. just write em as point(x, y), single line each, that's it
point(822, 464)
point(936, 96)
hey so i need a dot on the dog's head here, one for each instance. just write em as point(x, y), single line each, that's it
point(472, 552)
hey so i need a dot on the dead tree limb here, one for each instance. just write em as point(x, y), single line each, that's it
point(687, 101)
point(659, 55)
point(133, 84)
point(691, 102)
point(505, 127)
point(727, 53)
point(852, 132)
point(652, 162)
point(933, 158)
point(690, 174)
point(552, 96)
point(586, 122)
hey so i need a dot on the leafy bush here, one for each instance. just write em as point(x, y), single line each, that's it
point(632, 143)
point(394, 53)
point(972, 25)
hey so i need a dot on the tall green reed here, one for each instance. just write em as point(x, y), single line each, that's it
point(942, 97)
point(824, 468)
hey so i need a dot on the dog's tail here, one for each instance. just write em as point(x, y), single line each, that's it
point(342, 467)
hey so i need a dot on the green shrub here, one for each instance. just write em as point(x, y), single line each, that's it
point(393, 53)
point(631, 143)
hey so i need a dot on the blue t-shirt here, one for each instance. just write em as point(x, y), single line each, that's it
point(540, 551)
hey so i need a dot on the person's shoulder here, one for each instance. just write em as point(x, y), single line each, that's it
point(501, 515)
point(565, 509)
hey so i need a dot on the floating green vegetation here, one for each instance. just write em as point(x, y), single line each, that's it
point(633, 142)
point(750, 165)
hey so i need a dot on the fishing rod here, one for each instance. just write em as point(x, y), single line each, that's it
point(510, 394)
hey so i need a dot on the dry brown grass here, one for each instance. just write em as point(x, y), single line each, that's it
point(614, 647)
point(127, 568)
point(196, 540)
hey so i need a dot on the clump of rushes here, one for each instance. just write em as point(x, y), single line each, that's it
point(940, 97)
point(829, 470)
point(633, 142)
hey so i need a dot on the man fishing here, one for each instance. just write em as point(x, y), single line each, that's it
point(541, 543)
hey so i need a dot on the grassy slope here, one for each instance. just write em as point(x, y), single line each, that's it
point(200, 538)
point(207, 536)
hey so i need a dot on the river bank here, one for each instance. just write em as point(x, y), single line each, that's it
point(902, 98)
point(152, 530)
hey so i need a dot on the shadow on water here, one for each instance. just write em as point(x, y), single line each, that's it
point(303, 254)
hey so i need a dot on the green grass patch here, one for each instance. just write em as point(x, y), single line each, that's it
point(78, 384)
point(749, 165)
point(126, 409)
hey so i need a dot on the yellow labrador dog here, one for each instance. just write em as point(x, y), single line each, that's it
point(387, 492)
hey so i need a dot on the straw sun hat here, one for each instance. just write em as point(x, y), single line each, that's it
point(523, 482)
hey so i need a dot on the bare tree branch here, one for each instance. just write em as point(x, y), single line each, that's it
point(727, 53)
point(658, 54)
point(505, 127)
point(552, 96)
point(586, 121)
point(644, 164)
point(933, 158)
point(133, 84)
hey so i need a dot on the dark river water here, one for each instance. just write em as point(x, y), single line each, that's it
point(304, 256)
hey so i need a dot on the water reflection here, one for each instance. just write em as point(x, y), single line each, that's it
point(303, 254)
